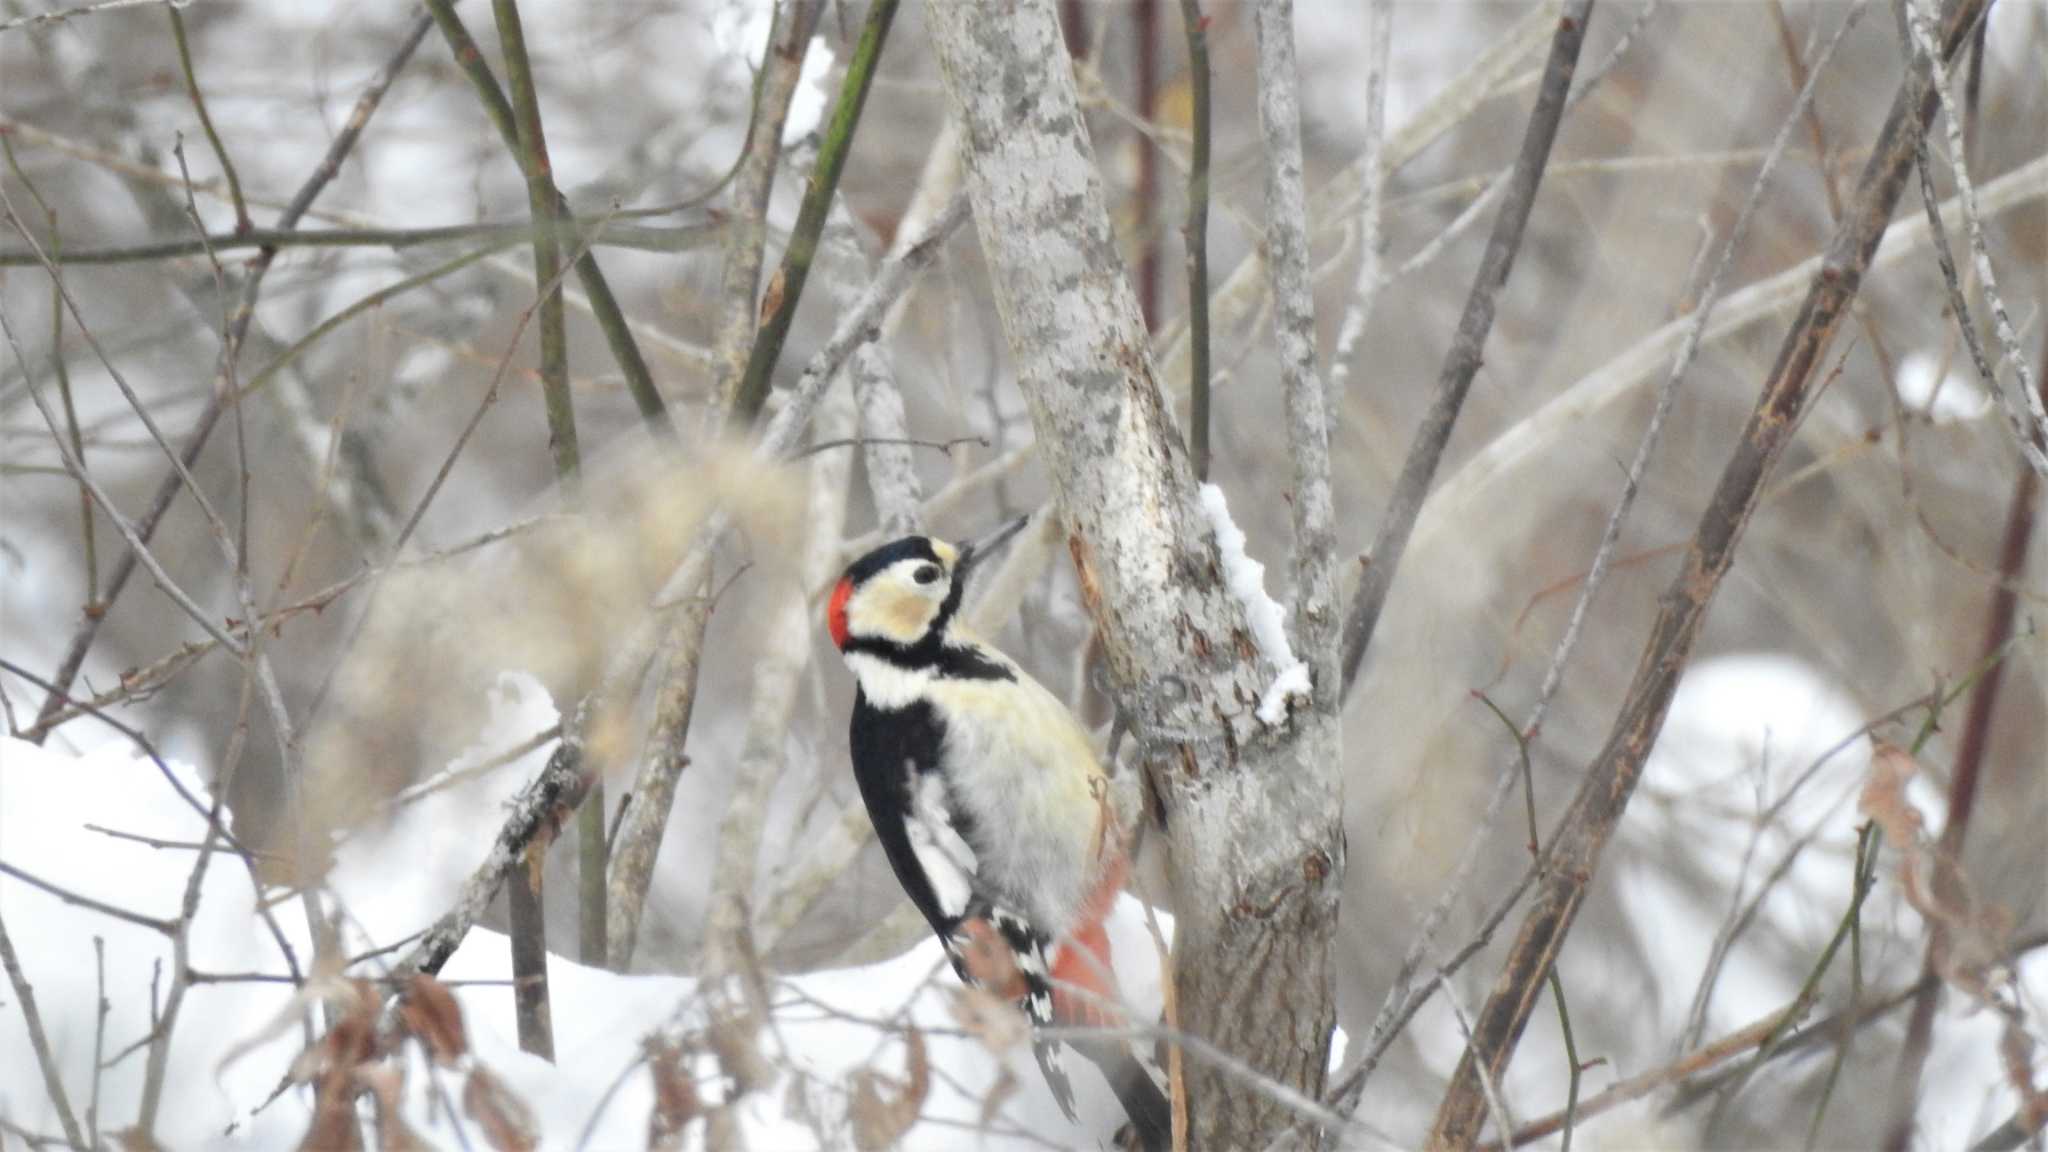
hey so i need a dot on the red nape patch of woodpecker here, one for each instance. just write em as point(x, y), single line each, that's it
point(835, 612)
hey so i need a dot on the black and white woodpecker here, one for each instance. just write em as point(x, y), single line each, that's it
point(991, 805)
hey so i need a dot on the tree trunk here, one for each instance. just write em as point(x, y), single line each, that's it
point(1252, 809)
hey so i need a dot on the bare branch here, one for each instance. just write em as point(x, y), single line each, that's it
point(1611, 779)
point(1468, 347)
point(1379, 37)
point(2024, 406)
point(786, 290)
point(1294, 328)
point(1553, 677)
point(238, 327)
point(39, 1041)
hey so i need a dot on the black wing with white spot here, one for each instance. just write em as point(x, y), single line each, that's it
point(928, 841)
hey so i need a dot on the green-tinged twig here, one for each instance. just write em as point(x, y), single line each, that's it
point(791, 27)
point(62, 370)
point(1868, 841)
point(529, 922)
point(640, 237)
point(1564, 1015)
point(1196, 237)
point(604, 307)
point(547, 252)
point(788, 287)
point(220, 150)
point(1848, 1036)
point(375, 299)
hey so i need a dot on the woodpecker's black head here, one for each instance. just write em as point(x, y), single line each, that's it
point(907, 589)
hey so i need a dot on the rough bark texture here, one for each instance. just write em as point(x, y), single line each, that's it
point(1252, 814)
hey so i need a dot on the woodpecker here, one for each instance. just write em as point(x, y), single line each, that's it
point(991, 805)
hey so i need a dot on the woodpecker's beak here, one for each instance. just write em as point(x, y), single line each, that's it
point(974, 551)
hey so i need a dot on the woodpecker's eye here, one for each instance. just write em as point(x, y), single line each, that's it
point(926, 574)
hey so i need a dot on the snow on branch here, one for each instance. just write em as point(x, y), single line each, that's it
point(1246, 580)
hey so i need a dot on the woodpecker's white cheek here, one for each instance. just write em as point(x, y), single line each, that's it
point(890, 608)
point(888, 686)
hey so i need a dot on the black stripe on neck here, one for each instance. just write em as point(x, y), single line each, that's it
point(932, 655)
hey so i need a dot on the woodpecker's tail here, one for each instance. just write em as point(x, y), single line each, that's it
point(1139, 1090)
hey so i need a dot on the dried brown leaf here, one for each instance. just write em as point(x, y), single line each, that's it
point(722, 1130)
point(428, 1011)
point(334, 1127)
point(2016, 1053)
point(506, 1121)
point(676, 1102)
point(386, 1084)
point(735, 1038)
point(1884, 795)
point(1973, 936)
point(883, 1107)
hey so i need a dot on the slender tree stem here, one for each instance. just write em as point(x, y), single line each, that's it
point(1468, 347)
point(604, 306)
point(1195, 235)
point(238, 327)
point(529, 919)
point(39, 1041)
point(786, 290)
point(644, 238)
point(220, 150)
point(1611, 779)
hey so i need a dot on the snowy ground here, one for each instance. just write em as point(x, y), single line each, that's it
point(388, 884)
point(60, 812)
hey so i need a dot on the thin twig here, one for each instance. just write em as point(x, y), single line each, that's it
point(1703, 1070)
point(238, 326)
point(495, 233)
point(39, 1042)
point(153, 923)
point(220, 150)
point(604, 306)
point(2025, 408)
point(786, 290)
point(1862, 877)
point(1468, 347)
point(1195, 237)
point(789, 38)
point(131, 532)
point(1379, 36)
point(1603, 559)
point(1610, 781)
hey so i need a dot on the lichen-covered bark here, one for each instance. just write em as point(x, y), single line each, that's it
point(1253, 827)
